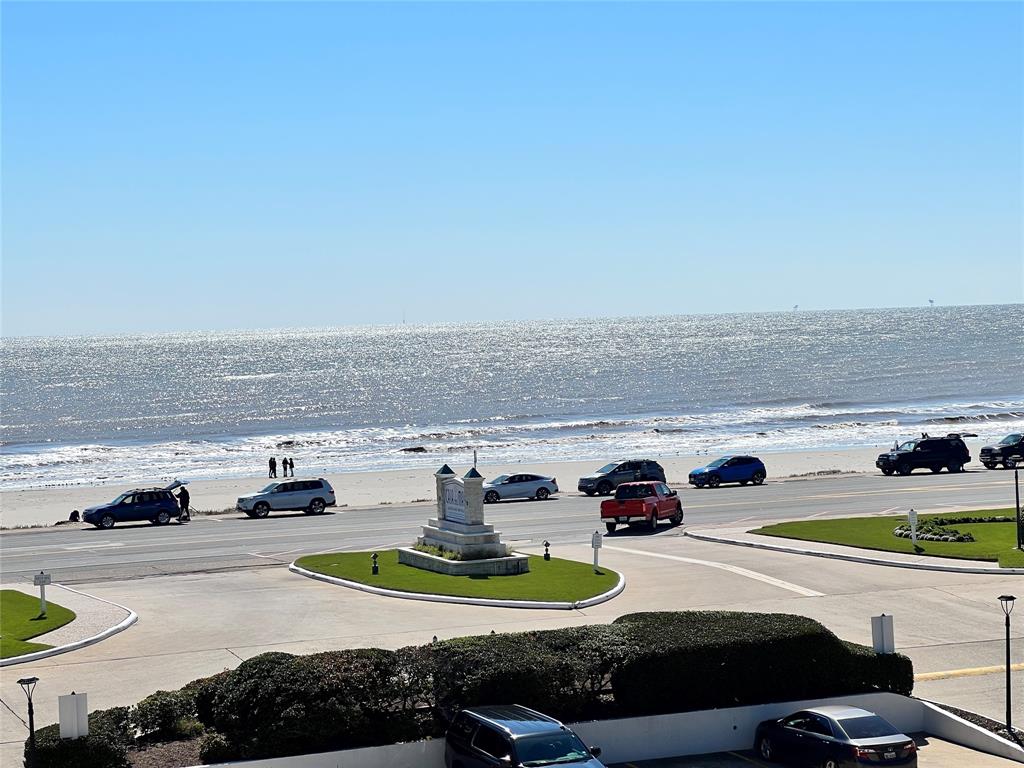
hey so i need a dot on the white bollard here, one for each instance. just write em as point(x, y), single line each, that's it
point(882, 636)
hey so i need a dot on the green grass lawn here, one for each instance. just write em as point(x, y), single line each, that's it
point(18, 622)
point(556, 580)
point(994, 541)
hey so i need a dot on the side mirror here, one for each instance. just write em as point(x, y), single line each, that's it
point(673, 493)
point(595, 751)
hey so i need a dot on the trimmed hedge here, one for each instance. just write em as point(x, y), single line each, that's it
point(106, 746)
point(277, 704)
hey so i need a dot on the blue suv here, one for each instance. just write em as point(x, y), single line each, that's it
point(157, 505)
point(729, 469)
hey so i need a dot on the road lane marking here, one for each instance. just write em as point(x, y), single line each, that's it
point(735, 569)
point(967, 672)
point(750, 760)
point(76, 547)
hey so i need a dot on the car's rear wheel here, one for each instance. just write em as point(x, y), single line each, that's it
point(652, 524)
point(262, 509)
point(107, 521)
point(935, 468)
point(491, 496)
point(604, 488)
point(542, 493)
point(758, 477)
point(765, 748)
point(714, 481)
point(163, 517)
point(610, 527)
point(1010, 463)
point(903, 469)
point(316, 507)
point(677, 518)
point(954, 467)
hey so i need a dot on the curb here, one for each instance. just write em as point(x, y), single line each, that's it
point(494, 603)
point(109, 632)
point(857, 558)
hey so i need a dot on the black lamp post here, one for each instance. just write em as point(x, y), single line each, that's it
point(1020, 521)
point(1006, 601)
point(28, 684)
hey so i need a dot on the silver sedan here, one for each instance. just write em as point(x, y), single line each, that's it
point(522, 486)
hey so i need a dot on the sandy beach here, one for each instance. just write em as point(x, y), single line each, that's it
point(361, 489)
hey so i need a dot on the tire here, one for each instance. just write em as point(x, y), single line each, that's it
point(935, 468)
point(491, 497)
point(106, 522)
point(677, 518)
point(250, 513)
point(604, 488)
point(316, 507)
point(743, 482)
point(954, 468)
point(714, 481)
point(652, 524)
point(261, 510)
point(766, 749)
point(991, 465)
point(887, 471)
point(610, 527)
point(904, 469)
point(163, 517)
point(1010, 463)
point(542, 493)
point(829, 762)
point(758, 478)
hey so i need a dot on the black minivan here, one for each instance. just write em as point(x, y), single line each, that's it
point(513, 736)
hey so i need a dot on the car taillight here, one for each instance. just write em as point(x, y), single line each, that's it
point(864, 754)
point(911, 747)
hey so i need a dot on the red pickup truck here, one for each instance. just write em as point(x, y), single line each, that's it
point(641, 502)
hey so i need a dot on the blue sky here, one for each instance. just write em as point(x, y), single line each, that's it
point(202, 166)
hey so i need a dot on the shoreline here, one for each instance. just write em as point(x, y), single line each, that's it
point(46, 506)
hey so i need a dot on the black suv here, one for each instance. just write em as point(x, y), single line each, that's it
point(513, 736)
point(932, 453)
point(611, 476)
point(1008, 452)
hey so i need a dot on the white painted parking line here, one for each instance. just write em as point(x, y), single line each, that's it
point(762, 577)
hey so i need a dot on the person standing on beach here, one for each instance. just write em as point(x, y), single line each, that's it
point(273, 467)
point(291, 466)
point(183, 497)
point(284, 466)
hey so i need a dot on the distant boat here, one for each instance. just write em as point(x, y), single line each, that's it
point(796, 307)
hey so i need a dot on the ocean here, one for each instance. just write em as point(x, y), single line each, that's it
point(137, 408)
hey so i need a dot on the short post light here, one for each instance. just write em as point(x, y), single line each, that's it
point(1020, 520)
point(374, 568)
point(28, 684)
point(1006, 601)
point(547, 555)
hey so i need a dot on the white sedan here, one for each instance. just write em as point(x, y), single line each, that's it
point(522, 486)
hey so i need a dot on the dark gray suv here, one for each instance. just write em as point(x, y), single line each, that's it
point(513, 736)
point(611, 476)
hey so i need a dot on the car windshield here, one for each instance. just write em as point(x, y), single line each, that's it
point(269, 488)
point(606, 469)
point(909, 445)
point(1010, 440)
point(121, 498)
point(633, 491)
point(500, 479)
point(868, 727)
point(719, 462)
point(551, 749)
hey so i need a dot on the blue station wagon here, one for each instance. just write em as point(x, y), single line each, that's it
point(156, 505)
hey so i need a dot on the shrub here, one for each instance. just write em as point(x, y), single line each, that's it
point(204, 692)
point(704, 660)
point(214, 748)
point(106, 746)
point(166, 714)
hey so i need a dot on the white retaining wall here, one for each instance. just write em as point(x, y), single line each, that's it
point(685, 733)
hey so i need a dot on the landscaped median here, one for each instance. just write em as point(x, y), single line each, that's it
point(993, 541)
point(277, 704)
point(20, 622)
point(548, 582)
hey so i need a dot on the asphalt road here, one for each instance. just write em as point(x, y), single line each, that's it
point(84, 554)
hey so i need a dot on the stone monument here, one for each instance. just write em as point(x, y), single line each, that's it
point(459, 528)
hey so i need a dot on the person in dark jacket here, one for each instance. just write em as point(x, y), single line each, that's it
point(273, 467)
point(183, 497)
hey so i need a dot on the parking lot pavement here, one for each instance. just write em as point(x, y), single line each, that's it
point(933, 753)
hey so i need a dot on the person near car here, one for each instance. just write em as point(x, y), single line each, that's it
point(291, 466)
point(284, 466)
point(273, 467)
point(183, 498)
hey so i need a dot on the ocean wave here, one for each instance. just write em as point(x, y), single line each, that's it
point(976, 418)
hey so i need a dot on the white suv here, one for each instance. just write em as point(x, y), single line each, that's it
point(310, 496)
